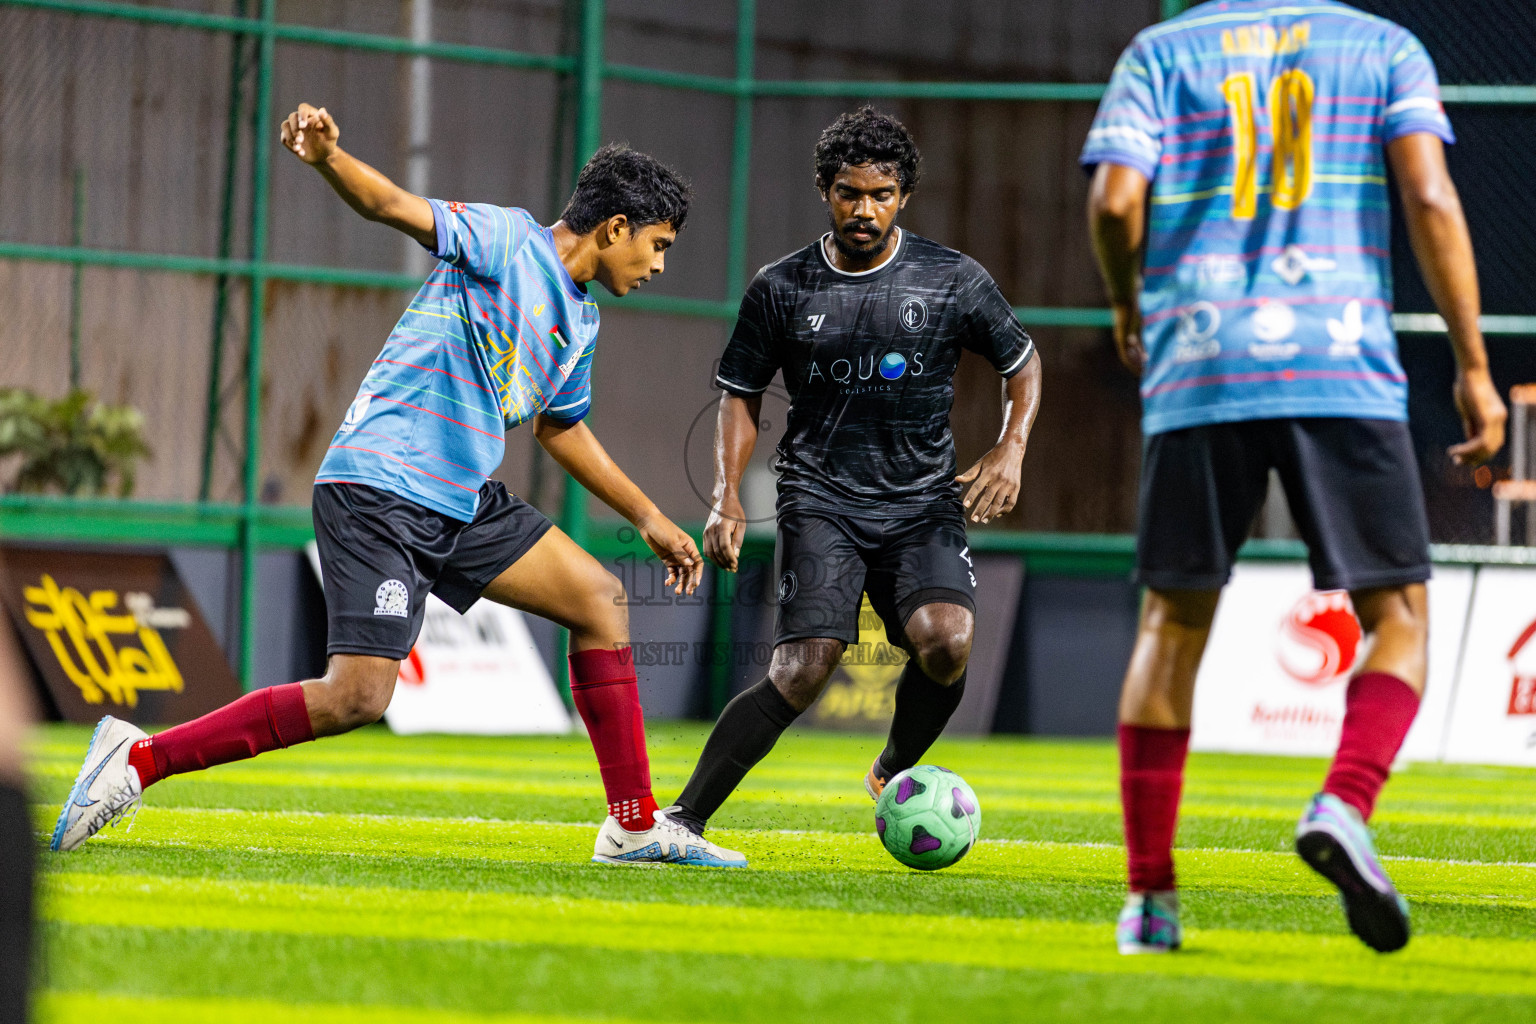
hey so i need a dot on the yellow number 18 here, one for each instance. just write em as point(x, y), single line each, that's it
point(1290, 126)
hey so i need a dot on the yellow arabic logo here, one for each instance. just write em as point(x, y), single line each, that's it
point(81, 630)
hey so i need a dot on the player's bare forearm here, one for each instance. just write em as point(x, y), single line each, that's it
point(735, 440)
point(311, 134)
point(996, 479)
point(1021, 403)
point(578, 452)
point(376, 198)
point(1442, 246)
point(1117, 222)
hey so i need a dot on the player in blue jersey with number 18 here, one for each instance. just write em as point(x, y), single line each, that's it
point(1239, 210)
point(501, 333)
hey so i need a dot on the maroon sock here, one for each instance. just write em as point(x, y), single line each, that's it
point(1378, 712)
point(604, 689)
point(264, 719)
point(1151, 779)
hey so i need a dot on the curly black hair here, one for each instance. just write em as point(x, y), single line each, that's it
point(867, 136)
point(620, 180)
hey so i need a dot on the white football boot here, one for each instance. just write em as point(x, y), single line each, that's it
point(665, 842)
point(106, 788)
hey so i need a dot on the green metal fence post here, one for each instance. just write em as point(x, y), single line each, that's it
point(76, 284)
point(723, 604)
point(233, 110)
point(589, 131)
point(261, 148)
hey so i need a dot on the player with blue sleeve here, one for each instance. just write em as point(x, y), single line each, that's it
point(1240, 214)
point(502, 332)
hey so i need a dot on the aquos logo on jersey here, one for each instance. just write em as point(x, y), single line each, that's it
point(1522, 666)
point(1319, 639)
point(891, 366)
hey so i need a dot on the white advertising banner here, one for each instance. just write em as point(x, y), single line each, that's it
point(1280, 656)
point(1494, 720)
point(478, 673)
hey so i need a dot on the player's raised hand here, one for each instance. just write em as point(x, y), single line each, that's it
point(994, 482)
point(310, 133)
point(724, 531)
point(1482, 417)
point(685, 566)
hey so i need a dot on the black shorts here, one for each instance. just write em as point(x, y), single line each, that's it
point(1352, 486)
point(825, 562)
point(381, 555)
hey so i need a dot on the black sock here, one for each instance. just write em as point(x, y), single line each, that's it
point(923, 708)
point(748, 728)
point(16, 856)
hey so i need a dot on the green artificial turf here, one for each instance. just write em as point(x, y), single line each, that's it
point(446, 880)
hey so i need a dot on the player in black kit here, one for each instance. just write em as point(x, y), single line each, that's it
point(867, 325)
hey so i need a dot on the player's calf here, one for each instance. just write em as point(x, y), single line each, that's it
point(938, 638)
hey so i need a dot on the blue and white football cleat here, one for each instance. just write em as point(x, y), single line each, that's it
point(1333, 840)
point(106, 788)
point(1149, 923)
point(666, 842)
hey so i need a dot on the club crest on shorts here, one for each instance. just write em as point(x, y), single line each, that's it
point(392, 599)
point(788, 584)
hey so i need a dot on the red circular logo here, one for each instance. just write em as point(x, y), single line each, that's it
point(1320, 638)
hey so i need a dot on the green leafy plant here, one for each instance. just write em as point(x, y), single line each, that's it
point(74, 445)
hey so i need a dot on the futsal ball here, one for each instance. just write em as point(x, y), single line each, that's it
point(927, 817)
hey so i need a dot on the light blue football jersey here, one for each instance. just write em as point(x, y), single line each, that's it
point(1262, 125)
point(498, 333)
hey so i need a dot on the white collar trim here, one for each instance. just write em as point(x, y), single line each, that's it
point(821, 247)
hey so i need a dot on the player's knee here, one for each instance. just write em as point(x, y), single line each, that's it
point(356, 699)
point(800, 670)
point(604, 608)
point(943, 656)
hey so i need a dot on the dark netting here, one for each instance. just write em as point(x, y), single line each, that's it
point(1482, 42)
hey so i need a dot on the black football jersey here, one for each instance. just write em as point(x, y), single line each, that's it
point(869, 362)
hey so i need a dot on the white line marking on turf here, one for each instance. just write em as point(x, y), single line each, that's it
point(1037, 843)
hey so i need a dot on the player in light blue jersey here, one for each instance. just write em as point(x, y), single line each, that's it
point(502, 332)
point(1239, 210)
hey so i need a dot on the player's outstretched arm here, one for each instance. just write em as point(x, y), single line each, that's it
point(1117, 221)
point(578, 452)
point(735, 438)
point(1437, 229)
point(995, 480)
point(310, 134)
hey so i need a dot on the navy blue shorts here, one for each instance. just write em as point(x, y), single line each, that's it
point(1352, 486)
point(381, 555)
